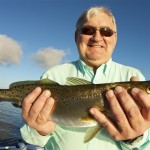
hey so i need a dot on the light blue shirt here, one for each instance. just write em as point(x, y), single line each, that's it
point(71, 138)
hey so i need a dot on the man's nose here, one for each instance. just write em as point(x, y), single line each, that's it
point(97, 36)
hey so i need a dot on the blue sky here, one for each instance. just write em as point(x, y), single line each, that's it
point(36, 34)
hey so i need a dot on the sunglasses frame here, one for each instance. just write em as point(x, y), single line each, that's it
point(103, 31)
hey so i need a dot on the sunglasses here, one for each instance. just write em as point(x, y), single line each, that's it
point(104, 31)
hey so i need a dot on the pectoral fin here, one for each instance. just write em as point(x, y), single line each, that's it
point(91, 133)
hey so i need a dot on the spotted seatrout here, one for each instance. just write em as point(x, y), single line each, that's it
point(72, 101)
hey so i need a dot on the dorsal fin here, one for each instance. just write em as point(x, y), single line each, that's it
point(47, 81)
point(76, 81)
point(33, 82)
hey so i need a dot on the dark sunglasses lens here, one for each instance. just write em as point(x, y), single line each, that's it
point(88, 30)
point(107, 32)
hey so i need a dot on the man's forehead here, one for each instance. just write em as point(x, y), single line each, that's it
point(98, 20)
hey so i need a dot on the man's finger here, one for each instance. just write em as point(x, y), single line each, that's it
point(105, 122)
point(39, 104)
point(29, 100)
point(46, 110)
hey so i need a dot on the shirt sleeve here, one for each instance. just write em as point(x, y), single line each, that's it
point(31, 136)
point(143, 144)
point(140, 76)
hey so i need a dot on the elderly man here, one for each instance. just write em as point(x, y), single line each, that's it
point(95, 37)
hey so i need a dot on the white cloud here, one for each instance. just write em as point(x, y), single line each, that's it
point(10, 51)
point(48, 57)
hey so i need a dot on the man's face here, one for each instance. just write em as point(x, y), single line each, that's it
point(96, 49)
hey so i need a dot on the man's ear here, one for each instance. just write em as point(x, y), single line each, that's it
point(115, 38)
point(76, 36)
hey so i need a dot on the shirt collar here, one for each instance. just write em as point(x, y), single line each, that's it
point(104, 67)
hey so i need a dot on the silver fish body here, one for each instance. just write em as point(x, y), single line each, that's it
point(72, 102)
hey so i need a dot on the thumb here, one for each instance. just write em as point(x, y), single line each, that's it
point(133, 78)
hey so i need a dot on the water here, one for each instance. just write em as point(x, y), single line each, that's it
point(10, 123)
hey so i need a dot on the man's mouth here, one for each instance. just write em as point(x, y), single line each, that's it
point(98, 46)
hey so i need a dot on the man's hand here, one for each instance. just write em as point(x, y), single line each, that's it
point(131, 113)
point(36, 111)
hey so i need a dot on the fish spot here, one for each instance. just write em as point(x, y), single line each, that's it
point(12, 93)
point(5, 92)
point(64, 102)
point(77, 99)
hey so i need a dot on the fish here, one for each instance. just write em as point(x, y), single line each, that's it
point(72, 100)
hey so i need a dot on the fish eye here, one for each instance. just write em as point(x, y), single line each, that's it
point(148, 90)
